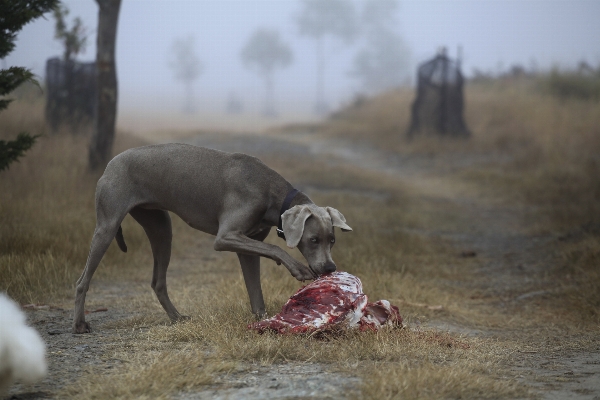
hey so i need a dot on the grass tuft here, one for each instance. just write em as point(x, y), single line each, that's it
point(47, 215)
point(152, 375)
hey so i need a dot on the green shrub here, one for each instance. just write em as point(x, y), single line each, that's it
point(565, 85)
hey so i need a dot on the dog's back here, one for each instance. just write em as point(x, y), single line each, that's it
point(186, 180)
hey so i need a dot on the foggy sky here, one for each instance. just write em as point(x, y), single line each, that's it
point(494, 35)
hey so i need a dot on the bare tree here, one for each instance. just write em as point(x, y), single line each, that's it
point(264, 53)
point(319, 19)
point(70, 85)
point(187, 67)
point(106, 80)
point(383, 61)
point(74, 40)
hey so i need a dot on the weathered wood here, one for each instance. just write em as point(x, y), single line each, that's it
point(70, 94)
point(106, 81)
point(439, 105)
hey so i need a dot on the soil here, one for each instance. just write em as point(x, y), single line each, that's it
point(511, 268)
point(284, 381)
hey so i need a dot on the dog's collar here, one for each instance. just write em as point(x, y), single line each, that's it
point(284, 207)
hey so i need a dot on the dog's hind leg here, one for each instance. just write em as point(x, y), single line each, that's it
point(157, 225)
point(103, 234)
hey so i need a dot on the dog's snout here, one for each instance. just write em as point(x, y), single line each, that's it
point(329, 267)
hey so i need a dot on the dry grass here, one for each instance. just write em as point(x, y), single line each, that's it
point(433, 381)
point(541, 149)
point(47, 213)
point(47, 219)
point(392, 264)
point(219, 324)
point(392, 362)
point(527, 149)
point(152, 375)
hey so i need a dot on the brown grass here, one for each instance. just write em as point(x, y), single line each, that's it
point(393, 264)
point(392, 362)
point(152, 375)
point(538, 151)
point(541, 149)
point(47, 213)
point(434, 381)
point(527, 148)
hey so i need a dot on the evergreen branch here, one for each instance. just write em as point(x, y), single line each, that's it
point(4, 103)
point(12, 78)
point(13, 149)
point(14, 14)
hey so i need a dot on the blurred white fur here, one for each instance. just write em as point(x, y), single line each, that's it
point(22, 350)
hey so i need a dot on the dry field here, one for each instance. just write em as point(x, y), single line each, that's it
point(490, 247)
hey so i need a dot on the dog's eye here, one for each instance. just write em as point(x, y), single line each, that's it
point(314, 240)
point(332, 240)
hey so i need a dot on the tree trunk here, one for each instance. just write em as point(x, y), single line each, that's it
point(269, 110)
point(189, 106)
point(106, 79)
point(320, 104)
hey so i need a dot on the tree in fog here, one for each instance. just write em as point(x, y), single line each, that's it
point(70, 85)
point(74, 40)
point(382, 63)
point(106, 84)
point(264, 53)
point(319, 19)
point(187, 67)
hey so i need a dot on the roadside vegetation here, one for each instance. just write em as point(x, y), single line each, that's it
point(47, 212)
point(582, 85)
point(528, 149)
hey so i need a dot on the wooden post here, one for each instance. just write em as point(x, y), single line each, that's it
point(106, 80)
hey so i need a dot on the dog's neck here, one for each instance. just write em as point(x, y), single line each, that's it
point(272, 216)
point(300, 199)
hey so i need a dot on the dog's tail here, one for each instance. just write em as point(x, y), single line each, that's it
point(121, 240)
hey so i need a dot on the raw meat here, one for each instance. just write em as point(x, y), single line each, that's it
point(333, 301)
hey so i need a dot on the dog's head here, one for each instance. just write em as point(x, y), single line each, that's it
point(310, 228)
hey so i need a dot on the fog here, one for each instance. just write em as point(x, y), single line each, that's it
point(493, 35)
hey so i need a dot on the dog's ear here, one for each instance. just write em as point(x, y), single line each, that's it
point(337, 219)
point(292, 222)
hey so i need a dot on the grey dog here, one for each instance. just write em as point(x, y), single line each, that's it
point(233, 196)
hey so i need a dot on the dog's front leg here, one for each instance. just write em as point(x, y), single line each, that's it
point(240, 243)
point(251, 270)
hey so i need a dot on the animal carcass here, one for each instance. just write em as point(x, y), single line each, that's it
point(331, 302)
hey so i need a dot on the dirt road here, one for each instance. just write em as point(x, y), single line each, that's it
point(511, 268)
point(514, 259)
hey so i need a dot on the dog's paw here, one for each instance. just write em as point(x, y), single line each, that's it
point(303, 274)
point(180, 318)
point(259, 316)
point(81, 327)
point(300, 271)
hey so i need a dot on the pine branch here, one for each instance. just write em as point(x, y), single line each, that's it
point(14, 14)
point(12, 78)
point(11, 150)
